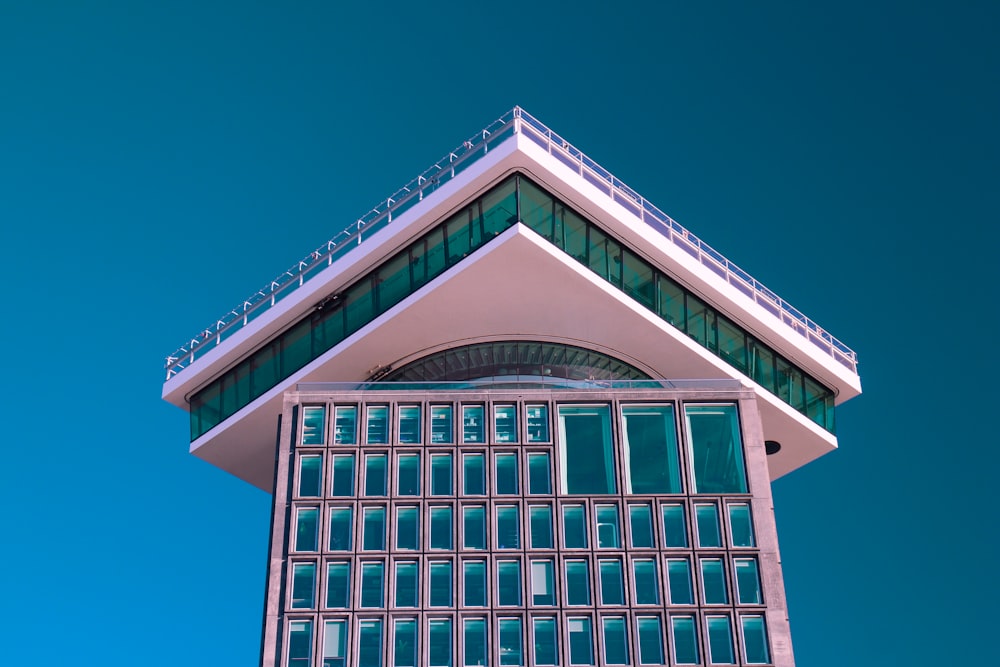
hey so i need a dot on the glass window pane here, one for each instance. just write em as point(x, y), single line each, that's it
point(404, 650)
point(650, 640)
point(685, 640)
point(338, 585)
point(674, 526)
point(511, 641)
point(539, 473)
point(505, 423)
point(310, 476)
point(742, 525)
point(546, 641)
point(615, 640)
point(473, 420)
point(641, 523)
point(408, 475)
point(441, 475)
point(375, 475)
point(441, 528)
point(408, 528)
point(335, 644)
point(608, 532)
point(373, 529)
point(407, 584)
point(474, 527)
point(439, 645)
point(707, 517)
point(441, 584)
point(720, 641)
point(340, 528)
point(575, 526)
point(540, 517)
point(474, 641)
point(303, 585)
point(577, 582)
point(612, 586)
point(650, 444)
point(474, 475)
point(343, 475)
point(372, 585)
point(441, 426)
point(313, 424)
point(509, 583)
point(409, 424)
point(586, 450)
point(508, 527)
point(716, 449)
point(755, 640)
point(300, 644)
point(370, 643)
point(671, 301)
point(378, 425)
point(506, 475)
point(747, 580)
point(306, 529)
point(542, 583)
point(679, 581)
point(345, 427)
point(474, 583)
point(713, 579)
point(581, 641)
point(538, 423)
point(647, 583)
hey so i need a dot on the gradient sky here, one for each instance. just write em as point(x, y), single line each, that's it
point(159, 162)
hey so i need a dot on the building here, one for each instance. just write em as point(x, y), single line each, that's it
point(516, 415)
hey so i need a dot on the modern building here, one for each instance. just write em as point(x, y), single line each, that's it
point(516, 415)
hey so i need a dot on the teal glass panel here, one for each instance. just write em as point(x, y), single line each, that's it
point(586, 449)
point(509, 583)
point(650, 633)
point(674, 526)
point(540, 519)
point(392, 282)
point(441, 584)
point(440, 642)
point(713, 581)
point(788, 379)
point(474, 641)
point(442, 429)
point(679, 581)
point(543, 591)
point(700, 321)
point(343, 475)
point(537, 423)
point(375, 475)
point(597, 252)
point(404, 649)
point(536, 209)
point(338, 585)
point(508, 527)
point(313, 424)
point(373, 529)
point(474, 583)
point(670, 301)
point(359, 304)
point(303, 585)
point(574, 239)
point(575, 526)
point(707, 517)
point(608, 530)
point(546, 639)
point(306, 529)
point(340, 528)
point(310, 476)
point(458, 236)
point(408, 475)
point(345, 427)
point(328, 328)
point(641, 524)
point(539, 473)
point(650, 446)
point(409, 425)
point(505, 423)
point(762, 365)
point(638, 280)
point(407, 584)
point(685, 634)
point(370, 643)
point(720, 641)
point(473, 475)
point(581, 641)
point(612, 585)
point(647, 583)
point(741, 524)
point(499, 209)
point(615, 640)
point(372, 585)
point(441, 528)
point(300, 644)
point(206, 409)
point(511, 641)
point(408, 528)
point(747, 581)
point(732, 344)
point(815, 395)
point(421, 253)
point(236, 389)
point(473, 424)
point(441, 475)
point(474, 527)
point(295, 347)
point(264, 370)
point(506, 476)
point(377, 427)
point(716, 448)
point(755, 640)
point(577, 582)
point(335, 644)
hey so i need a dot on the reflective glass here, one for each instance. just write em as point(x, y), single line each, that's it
point(650, 640)
point(335, 644)
point(441, 528)
point(373, 529)
point(685, 642)
point(439, 645)
point(408, 475)
point(306, 529)
point(511, 641)
point(338, 585)
point(612, 585)
point(755, 640)
point(509, 583)
point(506, 476)
point(716, 449)
point(542, 583)
point(720, 641)
point(345, 427)
point(747, 580)
point(713, 580)
point(679, 581)
point(742, 525)
point(407, 584)
point(370, 643)
point(674, 526)
point(647, 583)
point(540, 517)
point(343, 475)
point(615, 640)
point(505, 423)
point(707, 517)
point(641, 523)
point(608, 531)
point(409, 425)
point(378, 425)
point(340, 528)
point(441, 583)
point(581, 641)
point(441, 425)
point(473, 475)
point(310, 476)
point(575, 526)
point(372, 585)
point(303, 585)
point(546, 641)
point(538, 423)
point(508, 534)
point(649, 438)
point(407, 528)
point(577, 582)
point(473, 424)
point(404, 649)
point(474, 641)
point(441, 475)
point(313, 424)
point(586, 449)
point(375, 475)
point(539, 473)
point(299, 643)
point(474, 583)
point(474, 527)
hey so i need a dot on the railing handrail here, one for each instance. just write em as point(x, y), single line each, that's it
point(444, 170)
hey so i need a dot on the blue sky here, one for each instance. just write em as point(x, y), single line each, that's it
point(161, 161)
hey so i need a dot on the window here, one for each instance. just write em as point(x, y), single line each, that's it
point(716, 449)
point(345, 427)
point(338, 585)
point(404, 648)
point(685, 635)
point(474, 641)
point(343, 475)
point(509, 583)
point(474, 583)
point(505, 423)
point(375, 475)
point(581, 641)
point(588, 465)
point(747, 581)
point(755, 640)
point(720, 641)
point(741, 525)
point(306, 529)
point(641, 525)
point(340, 528)
point(441, 583)
point(378, 425)
point(303, 585)
point(679, 581)
point(439, 645)
point(473, 418)
point(608, 533)
point(474, 527)
point(713, 581)
point(372, 584)
point(577, 582)
point(473, 475)
point(508, 534)
point(441, 528)
point(707, 517)
point(674, 526)
point(615, 640)
point(506, 474)
point(300, 644)
point(409, 424)
point(441, 475)
point(313, 424)
point(540, 518)
point(539, 473)
point(373, 529)
point(647, 583)
point(408, 528)
point(370, 643)
point(649, 442)
point(311, 476)
point(542, 583)
point(650, 640)
point(407, 584)
point(408, 475)
point(335, 644)
point(537, 417)
point(612, 586)
point(511, 641)
point(575, 526)
point(441, 428)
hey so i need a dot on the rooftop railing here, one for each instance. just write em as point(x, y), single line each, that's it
point(515, 121)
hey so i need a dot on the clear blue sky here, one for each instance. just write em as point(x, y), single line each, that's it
point(161, 161)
